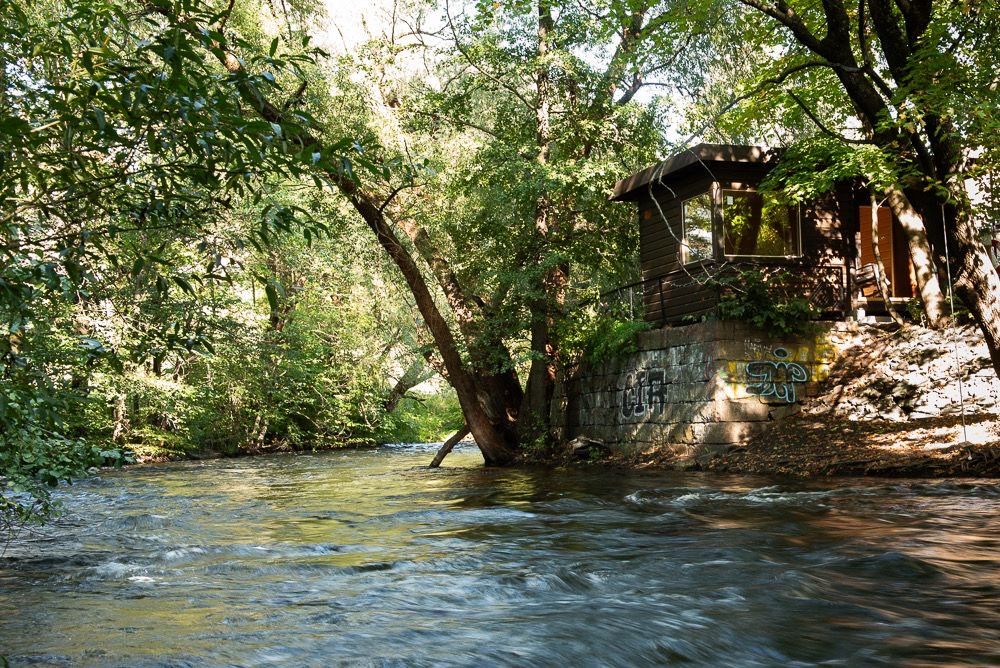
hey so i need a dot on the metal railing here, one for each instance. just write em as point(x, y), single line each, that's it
point(682, 294)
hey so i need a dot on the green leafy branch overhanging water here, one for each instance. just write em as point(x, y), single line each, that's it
point(141, 201)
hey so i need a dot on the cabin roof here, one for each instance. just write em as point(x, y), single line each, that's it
point(627, 189)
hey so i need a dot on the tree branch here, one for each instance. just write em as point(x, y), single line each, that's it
point(468, 58)
point(815, 119)
point(787, 17)
point(448, 446)
point(454, 121)
point(866, 55)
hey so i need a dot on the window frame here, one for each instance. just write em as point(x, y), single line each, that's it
point(685, 247)
point(797, 254)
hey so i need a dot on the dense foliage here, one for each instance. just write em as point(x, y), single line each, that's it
point(167, 283)
point(215, 237)
point(769, 302)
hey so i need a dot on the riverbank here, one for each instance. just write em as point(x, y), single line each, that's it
point(892, 405)
point(145, 454)
point(931, 447)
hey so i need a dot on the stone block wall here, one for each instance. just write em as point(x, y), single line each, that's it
point(697, 388)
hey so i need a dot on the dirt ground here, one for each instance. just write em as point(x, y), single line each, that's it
point(808, 445)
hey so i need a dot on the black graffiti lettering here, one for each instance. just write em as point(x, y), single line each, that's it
point(656, 396)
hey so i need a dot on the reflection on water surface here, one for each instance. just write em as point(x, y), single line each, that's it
point(366, 557)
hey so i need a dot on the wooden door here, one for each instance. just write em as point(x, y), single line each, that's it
point(892, 247)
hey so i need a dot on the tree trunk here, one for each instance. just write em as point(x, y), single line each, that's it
point(121, 421)
point(448, 446)
point(412, 377)
point(496, 447)
point(533, 423)
point(977, 282)
point(881, 279)
point(536, 408)
point(924, 268)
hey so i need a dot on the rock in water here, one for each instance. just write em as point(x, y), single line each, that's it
point(582, 447)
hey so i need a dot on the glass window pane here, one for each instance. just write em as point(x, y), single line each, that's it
point(758, 225)
point(698, 228)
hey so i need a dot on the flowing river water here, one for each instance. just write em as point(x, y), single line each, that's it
point(366, 557)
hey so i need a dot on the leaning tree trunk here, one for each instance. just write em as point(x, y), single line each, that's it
point(977, 282)
point(493, 442)
point(924, 268)
point(448, 446)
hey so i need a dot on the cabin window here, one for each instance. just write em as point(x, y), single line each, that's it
point(697, 213)
point(756, 224)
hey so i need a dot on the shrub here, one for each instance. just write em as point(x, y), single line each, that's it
point(597, 336)
point(763, 301)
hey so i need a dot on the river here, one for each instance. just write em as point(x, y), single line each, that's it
point(367, 558)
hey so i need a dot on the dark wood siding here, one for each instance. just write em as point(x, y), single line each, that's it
point(672, 292)
point(823, 239)
point(679, 295)
point(660, 225)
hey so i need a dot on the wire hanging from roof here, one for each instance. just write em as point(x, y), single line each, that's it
point(954, 341)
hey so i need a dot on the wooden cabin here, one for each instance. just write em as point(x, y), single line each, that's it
point(701, 214)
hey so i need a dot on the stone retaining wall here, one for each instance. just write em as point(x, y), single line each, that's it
point(696, 389)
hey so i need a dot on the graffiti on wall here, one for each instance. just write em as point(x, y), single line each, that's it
point(812, 360)
point(673, 383)
point(643, 393)
point(775, 379)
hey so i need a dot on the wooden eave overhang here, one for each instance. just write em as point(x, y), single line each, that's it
point(685, 162)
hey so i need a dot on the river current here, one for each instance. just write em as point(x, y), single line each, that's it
point(368, 558)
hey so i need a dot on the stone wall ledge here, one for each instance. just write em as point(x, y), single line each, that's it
point(690, 385)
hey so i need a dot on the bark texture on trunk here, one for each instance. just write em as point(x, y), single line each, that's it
point(534, 422)
point(977, 282)
point(924, 267)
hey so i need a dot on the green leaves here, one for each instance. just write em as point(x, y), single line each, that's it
point(184, 284)
point(816, 164)
point(770, 302)
point(271, 290)
point(129, 169)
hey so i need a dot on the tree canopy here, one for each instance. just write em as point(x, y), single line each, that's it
point(217, 236)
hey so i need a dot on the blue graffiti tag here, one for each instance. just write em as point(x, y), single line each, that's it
point(766, 378)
